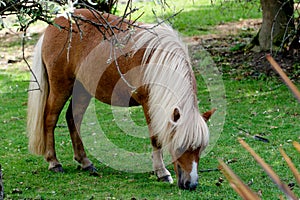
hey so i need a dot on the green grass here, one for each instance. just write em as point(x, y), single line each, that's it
point(195, 16)
point(263, 106)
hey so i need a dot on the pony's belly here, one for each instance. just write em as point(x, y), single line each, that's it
point(112, 93)
point(119, 101)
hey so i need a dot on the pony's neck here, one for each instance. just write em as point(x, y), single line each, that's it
point(171, 84)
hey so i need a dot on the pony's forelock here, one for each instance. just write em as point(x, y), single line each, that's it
point(169, 76)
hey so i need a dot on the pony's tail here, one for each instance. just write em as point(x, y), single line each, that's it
point(37, 97)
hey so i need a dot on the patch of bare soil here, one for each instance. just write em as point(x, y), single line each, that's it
point(227, 50)
point(11, 54)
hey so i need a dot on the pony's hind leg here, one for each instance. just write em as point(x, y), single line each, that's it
point(158, 164)
point(54, 105)
point(77, 107)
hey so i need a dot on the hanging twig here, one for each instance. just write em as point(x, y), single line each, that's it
point(286, 34)
point(284, 39)
point(133, 88)
point(27, 64)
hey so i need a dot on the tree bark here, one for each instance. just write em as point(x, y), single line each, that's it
point(277, 19)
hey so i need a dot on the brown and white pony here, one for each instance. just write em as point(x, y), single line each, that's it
point(129, 66)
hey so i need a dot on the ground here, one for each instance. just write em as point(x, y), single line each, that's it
point(228, 51)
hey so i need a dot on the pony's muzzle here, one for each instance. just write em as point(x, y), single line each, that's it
point(188, 185)
point(193, 186)
point(184, 182)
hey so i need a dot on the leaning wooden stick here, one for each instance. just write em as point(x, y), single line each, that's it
point(243, 190)
point(296, 145)
point(291, 165)
point(284, 77)
point(275, 178)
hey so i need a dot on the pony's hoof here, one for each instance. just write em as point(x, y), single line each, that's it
point(166, 178)
point(57, 168)
point(92, 170)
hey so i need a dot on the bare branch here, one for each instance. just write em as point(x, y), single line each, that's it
point(30, 11)
point(27, 64)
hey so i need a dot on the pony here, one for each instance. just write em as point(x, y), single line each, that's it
point(121, 63)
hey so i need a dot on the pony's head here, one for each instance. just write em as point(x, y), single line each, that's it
point(186, 159)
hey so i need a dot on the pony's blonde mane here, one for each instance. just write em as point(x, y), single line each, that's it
point(168, 74)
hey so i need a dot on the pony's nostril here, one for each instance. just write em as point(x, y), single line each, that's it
point(193, 186)
point(183, 186)
point(188, 185)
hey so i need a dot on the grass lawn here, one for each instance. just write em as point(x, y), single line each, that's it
point(261, 106)
point(195, 17)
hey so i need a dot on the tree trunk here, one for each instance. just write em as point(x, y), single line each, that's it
point(277, 19)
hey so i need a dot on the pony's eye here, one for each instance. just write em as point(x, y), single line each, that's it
point(180, 151)
point(175, 115)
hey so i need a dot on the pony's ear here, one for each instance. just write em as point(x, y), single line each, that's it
point(207, 114)
point(175, 115)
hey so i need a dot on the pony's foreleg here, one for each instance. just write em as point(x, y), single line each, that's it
point(158, 164)
point(74, 116)
point(157, 156)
